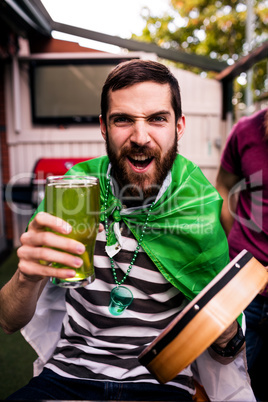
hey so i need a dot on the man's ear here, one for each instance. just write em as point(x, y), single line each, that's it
point(102, 127)
point(180, 126)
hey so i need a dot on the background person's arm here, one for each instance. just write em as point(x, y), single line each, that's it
point(225, 181)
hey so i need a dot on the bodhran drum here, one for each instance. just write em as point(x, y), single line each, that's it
point(205, 318)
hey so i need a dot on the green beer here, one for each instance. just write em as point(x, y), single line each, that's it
point(76, 200)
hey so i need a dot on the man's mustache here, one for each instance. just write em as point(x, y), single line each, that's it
point(138, 150)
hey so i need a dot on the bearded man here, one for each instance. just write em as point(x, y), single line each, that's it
point(162, 240)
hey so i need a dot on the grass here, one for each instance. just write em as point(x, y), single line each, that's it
point(16, 355)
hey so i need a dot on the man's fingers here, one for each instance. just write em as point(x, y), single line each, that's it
point(30, 269)
point(49, 255)
point(44, 220)
point(41, 246)
point(49, 239)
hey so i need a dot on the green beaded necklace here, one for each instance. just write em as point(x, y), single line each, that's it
point(118, 283)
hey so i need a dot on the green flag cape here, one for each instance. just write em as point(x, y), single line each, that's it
point(184, 237)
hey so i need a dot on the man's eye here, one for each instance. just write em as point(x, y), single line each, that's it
point(121, 120)
point(159, 119)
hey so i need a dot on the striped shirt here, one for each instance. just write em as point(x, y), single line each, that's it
point(96, 345)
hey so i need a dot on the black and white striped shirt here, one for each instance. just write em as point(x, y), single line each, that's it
point(99, 346)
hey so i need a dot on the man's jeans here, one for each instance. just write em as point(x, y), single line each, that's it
point(257, 327)
point(257, 345)
point(49, 385)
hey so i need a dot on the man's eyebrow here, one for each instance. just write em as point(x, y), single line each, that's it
point(118, 114)
point(160, 112)
point(123, 114)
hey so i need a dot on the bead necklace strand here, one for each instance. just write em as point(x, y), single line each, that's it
point(118, 283)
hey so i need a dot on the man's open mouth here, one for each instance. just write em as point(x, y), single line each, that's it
point(140, 161)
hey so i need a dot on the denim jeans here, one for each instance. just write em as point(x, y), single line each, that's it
point(49, 385)
point(257, 345)
point(257, 327)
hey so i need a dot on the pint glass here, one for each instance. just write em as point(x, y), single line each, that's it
point(76, 200)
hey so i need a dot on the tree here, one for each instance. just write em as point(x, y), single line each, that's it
point(212, 28)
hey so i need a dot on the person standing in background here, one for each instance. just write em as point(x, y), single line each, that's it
point(242, 181)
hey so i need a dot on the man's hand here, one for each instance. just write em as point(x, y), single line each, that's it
point(227, 335)
point(224, 353)
point(40, 247)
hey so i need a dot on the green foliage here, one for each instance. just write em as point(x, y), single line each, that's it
point(203, 27)
point(211, 28)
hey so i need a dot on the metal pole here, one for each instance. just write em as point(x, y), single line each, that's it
point(249, 38)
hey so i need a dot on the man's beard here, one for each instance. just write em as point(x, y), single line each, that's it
point(139, 187)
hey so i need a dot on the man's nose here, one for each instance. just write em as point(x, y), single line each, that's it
point(140, 134)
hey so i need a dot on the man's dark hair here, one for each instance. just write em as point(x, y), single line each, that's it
point(137, 71)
